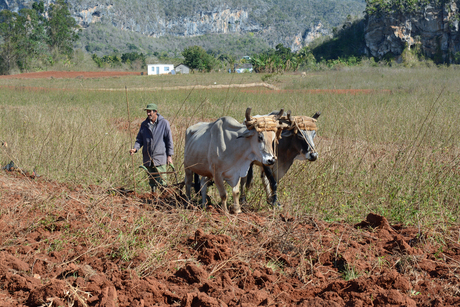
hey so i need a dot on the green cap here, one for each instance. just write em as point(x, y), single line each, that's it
point(151, 107)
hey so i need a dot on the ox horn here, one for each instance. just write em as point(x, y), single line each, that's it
point(316, 115)
point(277, 117)
point(284, 121)
point(248, 114)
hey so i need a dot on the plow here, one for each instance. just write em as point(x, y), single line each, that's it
point(172, 194)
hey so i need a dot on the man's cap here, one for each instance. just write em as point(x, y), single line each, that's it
point(151, 107)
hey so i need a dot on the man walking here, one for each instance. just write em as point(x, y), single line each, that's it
point(155, 138)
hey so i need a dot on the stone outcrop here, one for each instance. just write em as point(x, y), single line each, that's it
point(433, 28)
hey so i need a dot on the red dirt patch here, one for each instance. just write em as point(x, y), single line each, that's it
point(65, 246)
point(318, 91)
point(254, 88)
point(70, 74)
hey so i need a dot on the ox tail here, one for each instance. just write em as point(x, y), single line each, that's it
point(196, 182)
point(249, 176)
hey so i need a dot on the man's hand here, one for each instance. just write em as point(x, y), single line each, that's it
point(170, 160)
point(132, 151)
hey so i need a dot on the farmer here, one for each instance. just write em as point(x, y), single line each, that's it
point(156, 141)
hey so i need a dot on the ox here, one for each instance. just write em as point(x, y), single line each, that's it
point(224, 150)
point(295, 144)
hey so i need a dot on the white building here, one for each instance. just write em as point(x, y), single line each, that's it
point(159, 69)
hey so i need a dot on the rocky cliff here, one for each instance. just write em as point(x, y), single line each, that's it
point(433, 28)
point(293, 23)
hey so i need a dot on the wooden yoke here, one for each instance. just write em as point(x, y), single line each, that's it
point(266, 123)
point(297, 123)
point(303, 123)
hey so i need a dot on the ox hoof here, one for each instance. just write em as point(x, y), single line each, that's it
point(234, 210)
point(274, 203)
point(277, 206)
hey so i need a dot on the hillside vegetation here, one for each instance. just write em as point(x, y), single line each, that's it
point(400, 6)
point(269, 23)
point(151, 26)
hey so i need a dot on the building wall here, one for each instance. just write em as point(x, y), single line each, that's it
point(159, 69)
point(182, 69)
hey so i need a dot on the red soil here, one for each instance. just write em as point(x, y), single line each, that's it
point(395, 265)
point(100, 74)
point(317, 91)
point(70, 74)
point(312, 261)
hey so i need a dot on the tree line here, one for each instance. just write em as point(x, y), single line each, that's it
point(280, 59)
point(132, 58)
point(36, 37)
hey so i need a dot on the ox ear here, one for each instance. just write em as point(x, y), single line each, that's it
point(280, 113)
point(316, 115)
point(246, 134)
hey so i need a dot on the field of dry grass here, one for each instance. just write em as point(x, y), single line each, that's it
point(390, 148)
point(372, 222)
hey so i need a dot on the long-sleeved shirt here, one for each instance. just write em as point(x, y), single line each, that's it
point(156, 141)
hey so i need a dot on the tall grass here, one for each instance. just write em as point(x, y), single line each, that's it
point(394, 151)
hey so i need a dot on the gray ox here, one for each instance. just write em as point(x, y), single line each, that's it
point(293, 145)
point(223, 151)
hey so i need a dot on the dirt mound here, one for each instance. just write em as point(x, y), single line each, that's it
point(68, 246)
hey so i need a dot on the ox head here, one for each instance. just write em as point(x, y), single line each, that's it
point(303, 136)
point(263, 135)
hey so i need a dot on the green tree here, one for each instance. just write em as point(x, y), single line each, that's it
point(32, 38)
point(132, 57)
point(62, 28)
point(39, 7)
point(283, 52)
point(28, 36)
point(278, 60)
point(22, 35)
point(97, 60)
point(306, 57)
point(8, 33)
point(230, 59)
point(258, 62)
point(196, 57)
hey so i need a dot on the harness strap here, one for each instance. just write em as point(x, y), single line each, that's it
point(313, 149)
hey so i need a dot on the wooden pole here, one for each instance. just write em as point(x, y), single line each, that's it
point(131, 138)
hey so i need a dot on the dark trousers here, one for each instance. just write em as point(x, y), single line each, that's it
point(156, 176)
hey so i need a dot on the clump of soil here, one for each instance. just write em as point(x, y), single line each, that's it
point(68, 246)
